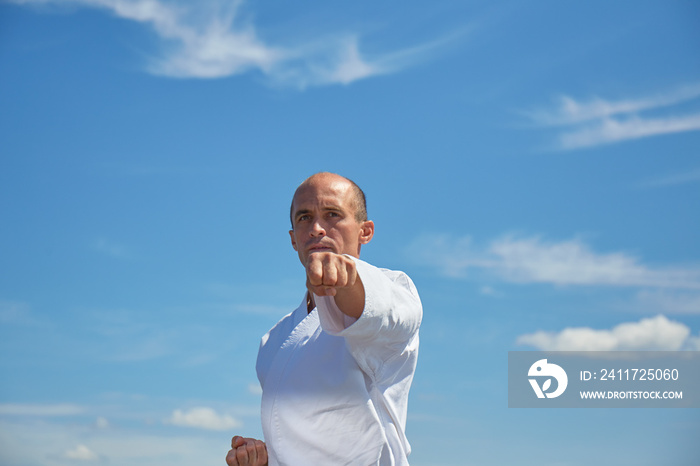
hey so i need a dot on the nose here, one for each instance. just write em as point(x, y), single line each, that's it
point(317, 229)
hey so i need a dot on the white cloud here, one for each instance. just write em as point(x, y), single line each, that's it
point(656, 333)
point(32, 443)
point(601, 121)
point(351, 66)
point(39, 410)
point(532, 260)
point(209, 49)
point(81, 453)
point(202, 41)
point(693, 343)
point(202, 418)
point(255, 389)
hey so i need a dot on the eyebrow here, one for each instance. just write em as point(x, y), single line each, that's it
point(330, 208)
point(301, 212)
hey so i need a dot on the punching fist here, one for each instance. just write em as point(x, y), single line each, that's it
point(327, 271)
point(330, 274)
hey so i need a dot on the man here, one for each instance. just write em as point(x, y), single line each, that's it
point(336, 372)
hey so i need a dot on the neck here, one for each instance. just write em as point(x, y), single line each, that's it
point(310, 304)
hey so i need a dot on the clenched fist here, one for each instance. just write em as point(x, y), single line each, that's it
point(327, 271)
point(246, 452)
point(330, 274)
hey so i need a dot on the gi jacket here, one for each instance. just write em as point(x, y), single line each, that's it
point(335, 389)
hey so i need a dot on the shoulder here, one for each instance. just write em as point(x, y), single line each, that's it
point(396, 278)
point(401, 279)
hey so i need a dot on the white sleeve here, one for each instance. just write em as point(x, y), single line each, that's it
point(389, 321)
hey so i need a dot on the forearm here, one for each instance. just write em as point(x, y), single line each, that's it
point(351, 300)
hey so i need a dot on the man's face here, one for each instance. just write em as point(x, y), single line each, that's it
point(323, 218)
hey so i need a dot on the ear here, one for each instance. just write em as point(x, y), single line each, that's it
point(294, 241)
point(366, 231)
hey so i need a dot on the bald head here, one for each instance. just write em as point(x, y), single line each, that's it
point(332, 179)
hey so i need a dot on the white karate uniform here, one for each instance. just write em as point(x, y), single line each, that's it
point(335, 389)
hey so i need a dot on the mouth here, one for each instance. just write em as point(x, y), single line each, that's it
point(319, 248)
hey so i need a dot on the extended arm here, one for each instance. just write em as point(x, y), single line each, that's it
point(390, 319)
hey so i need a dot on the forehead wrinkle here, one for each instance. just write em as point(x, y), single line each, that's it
point(311, 196)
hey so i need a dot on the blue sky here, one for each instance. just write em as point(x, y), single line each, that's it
point(533, 166)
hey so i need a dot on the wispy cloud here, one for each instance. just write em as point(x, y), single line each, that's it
point(668, 302)
point(41, 410)
point(261, 309)
point(691, 176)
point(656, 333)
point(229, 295)
point(203, 41)
point(202, 418)
point(534, 260)
point(600, 121)
point(44, 433)
point(610, 130)
point(102, 423)
point(489, 291)
point(80, 453)
point(15, 312)
point(110, 248)
point(569, 111)
point(34, 443)
point(149, 345)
